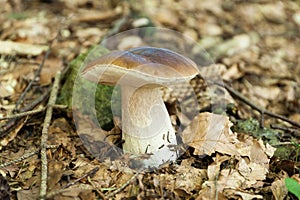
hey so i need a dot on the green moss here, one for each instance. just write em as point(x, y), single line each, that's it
point(252, 127)
point(19, 15)
point(65, 96)
point(85, 90)
point(284, 152)
point(104, 102)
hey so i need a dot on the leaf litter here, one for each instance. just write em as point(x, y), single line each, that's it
point(210, 133)
point(261, 61)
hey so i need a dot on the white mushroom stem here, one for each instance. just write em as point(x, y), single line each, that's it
point(146, 125)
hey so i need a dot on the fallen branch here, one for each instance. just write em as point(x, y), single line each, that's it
point(256, 107)
point(44, 137)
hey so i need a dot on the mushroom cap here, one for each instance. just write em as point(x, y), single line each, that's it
point(146, 64)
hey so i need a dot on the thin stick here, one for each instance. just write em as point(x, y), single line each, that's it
point(31, 112)
point(254, 106)
point(44, 137)
point(66, 187)
point(95, 187)
point(37, 73)
point(23, 157)
point(56, 192)
point(287, 129)
point(36, 101)
point(20, 158)
point(90, 174)
point(123, 186)
point(13, 122)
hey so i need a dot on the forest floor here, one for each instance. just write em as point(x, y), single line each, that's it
point(249, 152)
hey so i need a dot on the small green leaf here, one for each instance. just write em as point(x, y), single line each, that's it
point(293, 186)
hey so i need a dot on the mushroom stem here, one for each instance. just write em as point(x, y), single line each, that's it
point(146, 125)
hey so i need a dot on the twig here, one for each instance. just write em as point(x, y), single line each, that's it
point(66, 187)
point(123, 186)
point(90, 174)
point(44, 137)
point(56, 192)
point(23, 157)
point(287, 129)
point(37, 73)
point(13, 122)
point(97, 190)
point(254, 106)
point(36, 101)
point(20, 158)
point(31, 112)
point(118, 25)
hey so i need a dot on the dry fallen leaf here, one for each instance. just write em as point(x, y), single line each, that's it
point(73, 192)
point(12, 134)
point(32, 193)
point(51, 67)
point(56, 171)
point(209, 133)
point(59, 134)
point(130, 42)
point(269, 93)
point(185, 180)
point(12, 48)
point(166, 17)
point(87, 195)
point(7, 86)
point(86, 15)
point(252, 172)
point(279, 189)
point(189, 178)
point(233, 73)
point(102, 178)
point(244, 195)
point(213, 170)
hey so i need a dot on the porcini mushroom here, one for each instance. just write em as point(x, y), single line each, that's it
point(142, 72)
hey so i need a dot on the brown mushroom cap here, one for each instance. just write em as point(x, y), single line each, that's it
point(149, 64)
